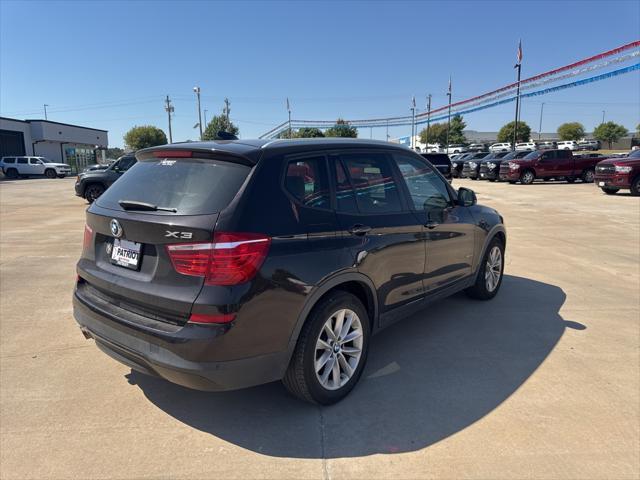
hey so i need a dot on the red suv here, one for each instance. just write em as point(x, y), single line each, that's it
point(614, 174)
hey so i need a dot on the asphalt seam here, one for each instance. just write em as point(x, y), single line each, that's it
point(325, 463)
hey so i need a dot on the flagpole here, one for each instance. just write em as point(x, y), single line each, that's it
point(412, 143)
point(289, 111)
point(518, 65)
point(449, 116)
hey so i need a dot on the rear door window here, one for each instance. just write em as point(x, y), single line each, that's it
point(371, 176)
point(192, 186)
point(9, 160)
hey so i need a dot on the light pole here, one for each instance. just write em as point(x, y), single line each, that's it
point(45, 111)
point(413, 123)
point(518, 66)
point(227, 110)
point(196, 90)
point(205, 118)
point(540, 126)
point(169, 109)
point(603, 116)
point(428, 118)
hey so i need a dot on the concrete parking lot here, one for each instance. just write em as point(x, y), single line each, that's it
point(541, 382)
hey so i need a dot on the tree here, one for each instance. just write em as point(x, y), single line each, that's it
point(341, 129)
point(144, 136)
point(609, 132)
point(437, 134)
point(114, 152)
point(506, 132)
point(455, 132)
point(219, 123)
point(285, 133)
point(571, 131)
point(309, 132)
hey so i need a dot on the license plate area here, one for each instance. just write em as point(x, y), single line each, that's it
point(126, 254)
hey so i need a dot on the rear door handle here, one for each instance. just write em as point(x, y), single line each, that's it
point(431, 225)
point(359, 229)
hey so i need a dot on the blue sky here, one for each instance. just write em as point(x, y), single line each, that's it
point(109, 65)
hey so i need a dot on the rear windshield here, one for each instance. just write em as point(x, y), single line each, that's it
point(191, 186)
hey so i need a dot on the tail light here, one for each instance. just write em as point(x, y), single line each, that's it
point(88, 238)
point(231, 259)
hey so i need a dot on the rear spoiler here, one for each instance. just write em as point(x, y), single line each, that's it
point(183, 151)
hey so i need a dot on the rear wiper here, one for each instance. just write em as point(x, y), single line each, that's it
point(149, 207)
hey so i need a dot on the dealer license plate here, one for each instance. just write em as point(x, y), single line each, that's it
point(126, 253)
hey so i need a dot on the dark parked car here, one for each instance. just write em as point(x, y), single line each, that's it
point(615, 174)
point(472, 163)
point(90, 185)
point(547, 165)
point(471, 168)
point(221, 265)
point(441, 162)
point(458, 163)
point(490, 167)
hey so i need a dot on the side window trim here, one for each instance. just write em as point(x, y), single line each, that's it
point(300, 157)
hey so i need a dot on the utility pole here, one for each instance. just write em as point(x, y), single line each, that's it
point(428, 118)
point(289, 111)
point(226, 110)
point(169, 109)
point(603, 116)
point(205, 119)
point(387, 130)
point(540, 126)
point(196, 90)
point(45, 111)
point(449, 116)
point(518, 66)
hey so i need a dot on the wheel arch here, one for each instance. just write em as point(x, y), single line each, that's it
point(355, 283)
point(92, 182)
point(498, 231)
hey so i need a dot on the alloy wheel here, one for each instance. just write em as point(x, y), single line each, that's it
point(493, 270)
point(338, 349)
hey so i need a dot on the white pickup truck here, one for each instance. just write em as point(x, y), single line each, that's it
point(14, 167)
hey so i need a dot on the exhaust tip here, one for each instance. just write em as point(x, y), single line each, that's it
point(86, 333)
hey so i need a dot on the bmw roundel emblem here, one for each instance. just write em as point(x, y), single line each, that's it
point(116, 229)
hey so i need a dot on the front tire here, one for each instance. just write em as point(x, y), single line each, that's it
point(610, 191)
point(93, 191)
point(490, 272)
point(635, 187)
point(50, 173)
point(331, 351)
point(527, 177)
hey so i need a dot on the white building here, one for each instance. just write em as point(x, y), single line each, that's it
point(78, 146)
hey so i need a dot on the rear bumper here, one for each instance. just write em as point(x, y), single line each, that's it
point(172, 352)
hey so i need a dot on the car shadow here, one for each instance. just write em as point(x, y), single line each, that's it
point(428, 377)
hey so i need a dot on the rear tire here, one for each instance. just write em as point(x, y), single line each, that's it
point(317, 361)
point(50, 173)
point(93, 191)
point(490, 272)
point(635, 187)
point(12, 173)
point(610, 191)
point(588, 176)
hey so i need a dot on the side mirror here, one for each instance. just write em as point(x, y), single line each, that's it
point(466, 197)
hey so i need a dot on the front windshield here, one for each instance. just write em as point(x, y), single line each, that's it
point(634, 154)
point(45, 160)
